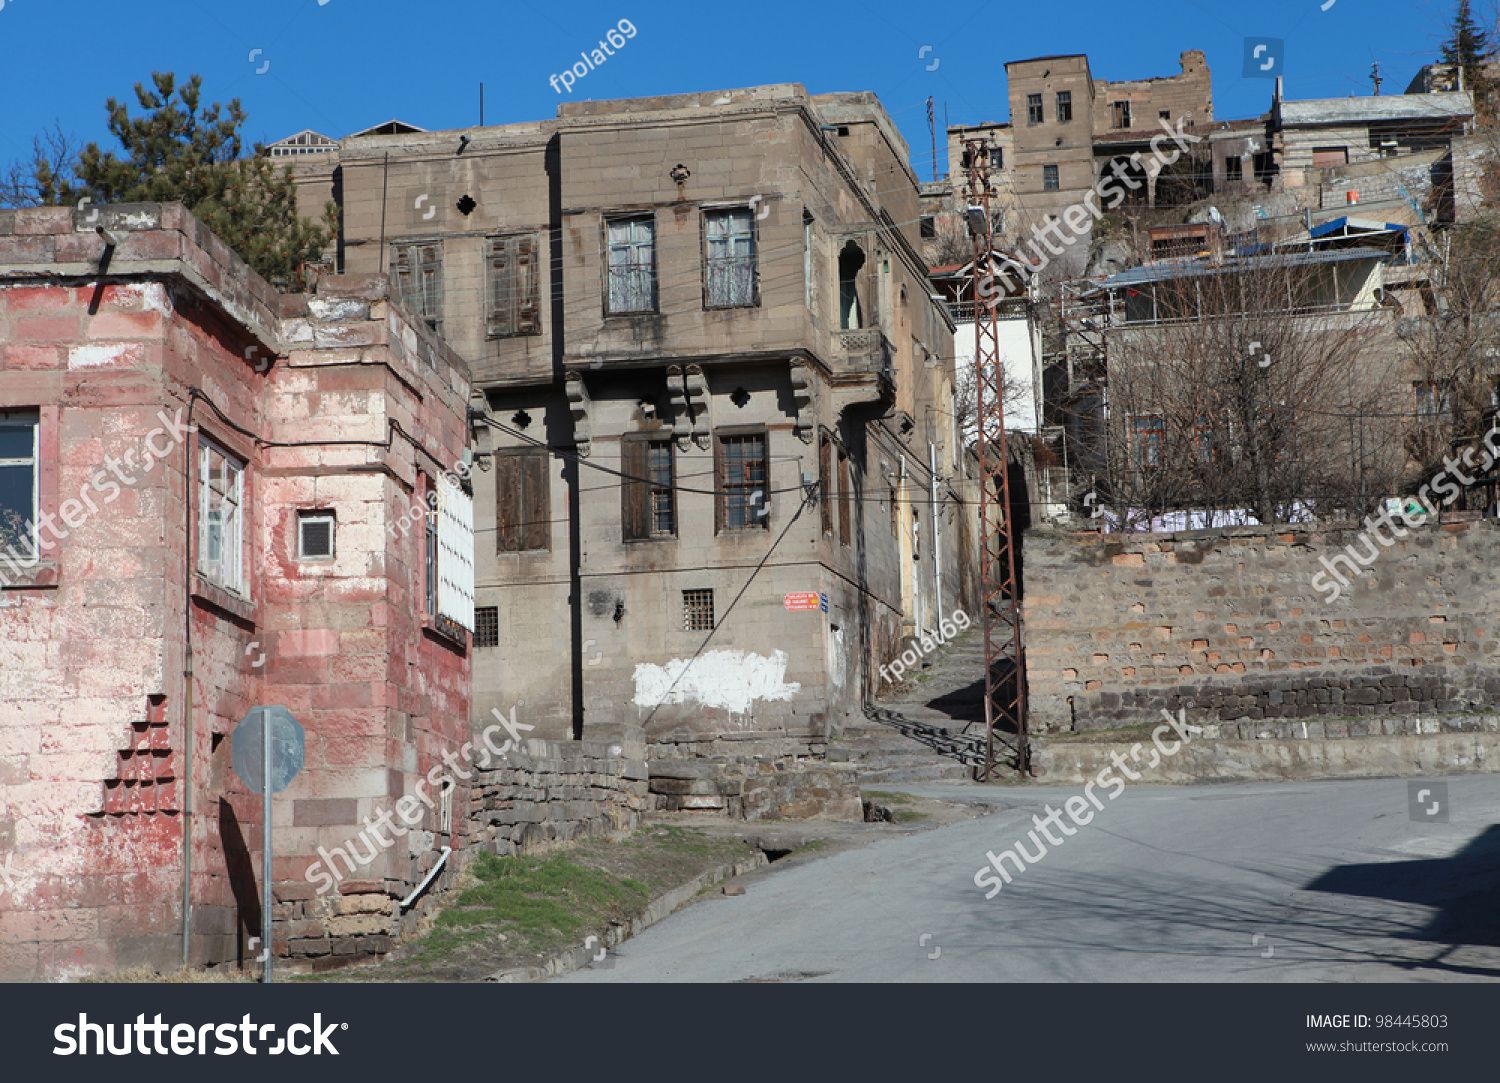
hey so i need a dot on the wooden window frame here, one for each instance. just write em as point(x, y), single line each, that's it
point(531, 470)
point(746, 216)
point(1064, 106)
point(1051, 178)
point(844, 491)
point(1036, 111)
point(640, 490)
point(722, 485)
point(654, 301)
point(421, 292)
point(512, 294)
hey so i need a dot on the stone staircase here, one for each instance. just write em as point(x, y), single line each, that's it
point(914, 730)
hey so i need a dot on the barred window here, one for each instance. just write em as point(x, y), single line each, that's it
point(487, 626)
point(742, 482)
point(698, 610)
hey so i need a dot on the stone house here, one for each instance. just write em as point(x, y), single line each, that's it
point(202, 492)
point(719, 477)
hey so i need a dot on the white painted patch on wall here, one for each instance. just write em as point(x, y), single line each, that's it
point(733, 680)
point(92, 357)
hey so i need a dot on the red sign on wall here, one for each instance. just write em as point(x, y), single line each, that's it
point(803, 599)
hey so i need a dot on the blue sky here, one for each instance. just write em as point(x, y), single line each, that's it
point(343, 65)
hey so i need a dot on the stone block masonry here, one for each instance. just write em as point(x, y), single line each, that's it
point(1119, 627)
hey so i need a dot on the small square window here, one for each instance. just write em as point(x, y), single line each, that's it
point(1164, 114)
point(487, 626)
point(698, 610)
point(315, 535)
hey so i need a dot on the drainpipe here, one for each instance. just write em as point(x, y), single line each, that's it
point(187, 673)
point(937, 550)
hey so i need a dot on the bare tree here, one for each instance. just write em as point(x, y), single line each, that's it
point(1234, 389)
point(53, 156)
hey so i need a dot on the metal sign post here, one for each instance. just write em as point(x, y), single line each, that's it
point(269, 748)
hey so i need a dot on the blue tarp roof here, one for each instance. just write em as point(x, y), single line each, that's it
point(1340, 223)
point(1160, 272)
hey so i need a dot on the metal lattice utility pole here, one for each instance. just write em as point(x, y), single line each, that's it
point(1000, 596)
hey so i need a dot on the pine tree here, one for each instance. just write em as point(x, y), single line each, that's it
point(180, 151)
point(1469, 47)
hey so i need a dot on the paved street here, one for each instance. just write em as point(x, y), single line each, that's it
point(1335, 879)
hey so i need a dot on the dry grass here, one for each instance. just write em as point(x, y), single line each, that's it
point(145, 975)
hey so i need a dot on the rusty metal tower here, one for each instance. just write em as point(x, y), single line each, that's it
point(1000, 596)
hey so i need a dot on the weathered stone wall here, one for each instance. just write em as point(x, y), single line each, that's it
point(1118, 627)
point(758, 788)
point(546, 793)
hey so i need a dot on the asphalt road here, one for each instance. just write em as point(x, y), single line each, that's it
point(1250, 882)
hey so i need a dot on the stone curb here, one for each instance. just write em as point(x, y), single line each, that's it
point(659, 908)
point(1275, 759)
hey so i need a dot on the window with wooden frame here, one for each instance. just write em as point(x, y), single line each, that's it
point(1146, 438)
point(729, 279)
point(1064, 106)
point(1121, 114)
point(631, 265)
point(19, 481)
point(417, 271)
point(648, 507)
point(825, 476)
point(512, 305)
point(1049, 178)
point(221, 524)
point(1034, 113)
point(741, 466)
point(843, 498)
point(522, 501)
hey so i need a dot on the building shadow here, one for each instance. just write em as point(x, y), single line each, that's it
point(1464, 890)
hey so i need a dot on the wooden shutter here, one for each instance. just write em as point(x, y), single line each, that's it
point(507, 503)
point(501, 315)
point(538, 533)
point(528, 317)
point(719, 493)
point(825, 469)
point(843, 498)
point(401, 272)
point(635, 494)
point(430, 269)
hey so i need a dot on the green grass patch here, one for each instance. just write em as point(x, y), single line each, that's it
point(886, 797)
point(539, 903)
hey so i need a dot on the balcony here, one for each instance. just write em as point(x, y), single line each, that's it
point(867, 352)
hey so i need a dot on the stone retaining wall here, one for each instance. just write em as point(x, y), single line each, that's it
point(1119, 626)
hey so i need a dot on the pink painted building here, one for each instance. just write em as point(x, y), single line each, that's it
point(206, 494)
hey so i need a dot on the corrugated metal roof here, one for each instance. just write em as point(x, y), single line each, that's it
point(1137, 276)
point(1384, 107)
